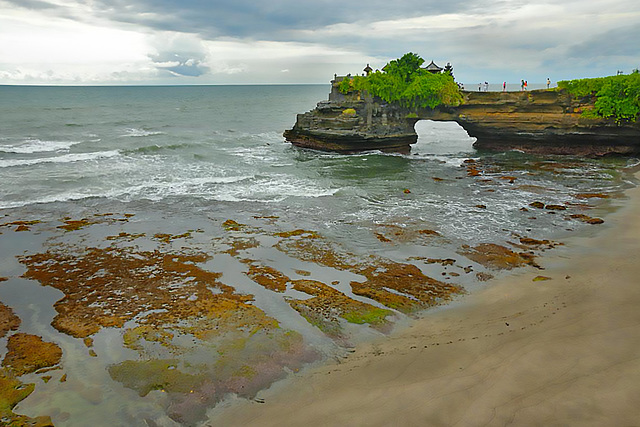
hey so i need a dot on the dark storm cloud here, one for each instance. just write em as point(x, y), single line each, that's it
point(255, 19)
point(619, 42)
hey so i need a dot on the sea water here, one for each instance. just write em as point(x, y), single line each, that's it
point(178, 159)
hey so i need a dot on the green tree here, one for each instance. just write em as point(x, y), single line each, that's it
point(405, 67)
point(405, 83)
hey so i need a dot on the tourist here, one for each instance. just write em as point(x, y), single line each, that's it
point(548, 82)
point(504, 86)
point(521, 85)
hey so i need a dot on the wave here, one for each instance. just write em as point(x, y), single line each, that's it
point(58, 198)
point(138, 133)
point(68, 158)
point(149, 191)
point(155, 148)
point(199, 187)
point(242, 188)
point(272, 190)
point(454, 161)
point(30, 146)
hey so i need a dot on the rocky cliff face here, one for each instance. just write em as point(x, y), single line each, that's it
point(545, 121)
point(353, 125)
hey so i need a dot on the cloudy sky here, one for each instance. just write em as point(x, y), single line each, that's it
point(307, 41)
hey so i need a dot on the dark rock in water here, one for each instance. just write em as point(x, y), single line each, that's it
point(542, 121)
point(537, 205)
point(555, 207)
point(367, 126)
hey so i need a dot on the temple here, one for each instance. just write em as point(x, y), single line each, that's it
point(433, 68)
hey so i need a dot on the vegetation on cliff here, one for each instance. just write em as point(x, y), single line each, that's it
point(617, 97)
point(402, 81)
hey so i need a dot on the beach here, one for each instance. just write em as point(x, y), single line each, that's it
point(521, 351)
point(176, 261)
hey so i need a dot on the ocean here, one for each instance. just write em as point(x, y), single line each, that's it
point(178, 251)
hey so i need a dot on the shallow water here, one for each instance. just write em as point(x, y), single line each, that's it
point(158, 172)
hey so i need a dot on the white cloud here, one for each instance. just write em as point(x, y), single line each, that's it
point(38, 40)
point(37, 48)
point(84, 41)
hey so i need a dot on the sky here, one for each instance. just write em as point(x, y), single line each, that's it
point(139, 42)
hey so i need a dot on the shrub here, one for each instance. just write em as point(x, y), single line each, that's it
point(617, 97)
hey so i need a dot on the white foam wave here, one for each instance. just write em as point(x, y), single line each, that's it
point(66, 197)
point(30, 146)
point(274, 190)
point(199, 187)
point(449, 161)
point(68, 158)
point(137, 133)
point(150, 191)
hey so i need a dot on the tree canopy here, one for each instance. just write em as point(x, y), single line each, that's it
point(402, 81)
point(617, 97)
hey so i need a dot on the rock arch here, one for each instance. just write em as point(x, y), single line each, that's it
point(542, 121)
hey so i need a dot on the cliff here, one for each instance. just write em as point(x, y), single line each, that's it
point(350, 124)
point(543, 121)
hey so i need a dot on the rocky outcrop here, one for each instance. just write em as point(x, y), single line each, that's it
point(351, 125)
point(544, 121)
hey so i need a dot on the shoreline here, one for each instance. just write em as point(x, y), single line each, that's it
point(523, 352)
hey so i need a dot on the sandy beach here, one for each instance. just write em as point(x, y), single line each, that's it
point(563, 351)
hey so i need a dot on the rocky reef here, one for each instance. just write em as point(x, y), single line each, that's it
point(540, 121)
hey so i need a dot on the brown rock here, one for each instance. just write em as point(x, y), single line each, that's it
point(497, 257)
point(8, 320)
point(27, 353)
point(556, 207)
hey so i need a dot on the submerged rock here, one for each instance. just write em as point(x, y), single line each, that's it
point(12, 391)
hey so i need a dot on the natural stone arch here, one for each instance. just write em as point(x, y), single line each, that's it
point(541, 121)
point(442, 137)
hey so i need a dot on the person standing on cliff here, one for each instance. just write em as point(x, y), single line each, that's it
point(504, 86)
point(548, 82)
point(521, 85)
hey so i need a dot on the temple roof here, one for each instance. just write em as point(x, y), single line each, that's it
point(433, 68)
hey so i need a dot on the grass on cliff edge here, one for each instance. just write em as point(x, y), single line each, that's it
point(617, 97)
point(405, 83)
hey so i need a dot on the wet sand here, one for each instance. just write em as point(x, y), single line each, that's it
point(563, 351)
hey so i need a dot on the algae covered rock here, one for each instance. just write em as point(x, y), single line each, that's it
point(27, 353)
